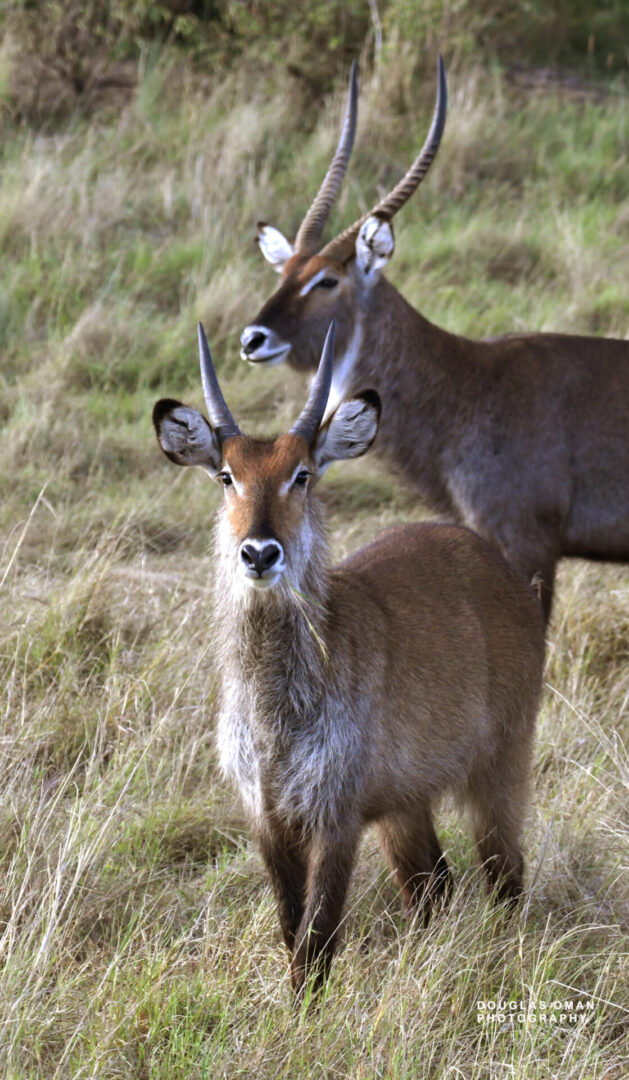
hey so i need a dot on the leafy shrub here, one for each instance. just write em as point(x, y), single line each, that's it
point(64, 51)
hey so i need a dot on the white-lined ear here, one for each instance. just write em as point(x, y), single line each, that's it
point(186, 437)
point(375, 245)
point(277, 250)
point(350, 430)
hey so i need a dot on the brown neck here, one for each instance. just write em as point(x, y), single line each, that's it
point(425, 378)
point(401, 346)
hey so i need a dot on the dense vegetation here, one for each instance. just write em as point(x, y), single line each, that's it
point(81, 44)
point(137, 931)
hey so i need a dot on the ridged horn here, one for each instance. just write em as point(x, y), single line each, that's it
point(220, 417)
point(313, 411)
point(340, 248)
point(310, 230)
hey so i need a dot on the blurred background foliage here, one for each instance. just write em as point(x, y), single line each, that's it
point(83, 47)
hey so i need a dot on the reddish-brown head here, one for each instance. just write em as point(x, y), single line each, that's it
point(331, 282)
point(267, 482)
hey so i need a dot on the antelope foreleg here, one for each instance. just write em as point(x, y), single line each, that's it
point(285, 857)
point(329, 872)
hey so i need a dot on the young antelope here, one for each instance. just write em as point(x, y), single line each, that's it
point(358, 693)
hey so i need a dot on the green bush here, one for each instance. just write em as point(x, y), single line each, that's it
point(580, 34)
point(78, 48)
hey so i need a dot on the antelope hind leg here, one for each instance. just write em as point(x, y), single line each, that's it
point(414, 854)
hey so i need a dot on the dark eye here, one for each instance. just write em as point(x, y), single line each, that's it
point(225, 479)
point(302, 477)
point(327, 283)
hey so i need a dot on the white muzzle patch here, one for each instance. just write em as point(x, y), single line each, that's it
point(262, 562)
point(262, 346)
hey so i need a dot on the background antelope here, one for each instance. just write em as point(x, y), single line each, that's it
point(523, 438)
point(358, 693)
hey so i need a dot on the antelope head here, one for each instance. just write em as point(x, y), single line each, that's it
point(320, 284)
point(268, 514)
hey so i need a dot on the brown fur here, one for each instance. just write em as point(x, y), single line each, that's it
point(361, 694)
point(524, 439)
point(430, 681)
point(263, 467)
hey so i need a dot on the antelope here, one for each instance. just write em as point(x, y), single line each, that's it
point(523, 438)
point(362, 692)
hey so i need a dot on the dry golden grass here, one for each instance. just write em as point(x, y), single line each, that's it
point(137, 931)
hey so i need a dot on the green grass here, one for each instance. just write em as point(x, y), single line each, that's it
point(137, 931)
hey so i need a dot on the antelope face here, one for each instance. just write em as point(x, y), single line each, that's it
point(294, 321)
point(315, 292)
point(268, 527)
point(331, 282)
point(266, 489)
point(265, 528)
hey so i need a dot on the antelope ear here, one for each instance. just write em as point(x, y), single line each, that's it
point(274, 246)
point(350, 430)
point(186, 437)
point(375, 245)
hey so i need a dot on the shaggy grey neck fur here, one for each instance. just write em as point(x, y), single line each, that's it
point(273, 667)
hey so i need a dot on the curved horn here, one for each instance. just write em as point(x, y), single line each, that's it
point(220, 417)
point(341, 246)
point(314, 410)
point(312, 226)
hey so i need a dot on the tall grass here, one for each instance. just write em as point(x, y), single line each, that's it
point(137, 931)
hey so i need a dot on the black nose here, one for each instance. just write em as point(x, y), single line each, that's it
point(254, 342)
point(260, 556)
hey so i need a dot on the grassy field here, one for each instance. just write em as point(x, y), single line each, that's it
point(137, 932)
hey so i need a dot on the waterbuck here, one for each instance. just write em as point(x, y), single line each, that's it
point(361, 692)
point(523, 438)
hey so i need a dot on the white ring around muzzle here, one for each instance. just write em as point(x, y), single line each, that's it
point(260, 345)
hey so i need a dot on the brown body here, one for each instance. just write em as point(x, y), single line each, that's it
point(524, 438)
point(365, 692)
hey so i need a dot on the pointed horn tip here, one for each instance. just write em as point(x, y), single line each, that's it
point(203, 345)
point(314, 410)
point(326, 362)
point(353, 89)
point(205, 355)
point(441, 74)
